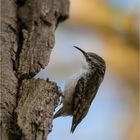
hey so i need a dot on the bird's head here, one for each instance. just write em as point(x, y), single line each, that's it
point(92, 59)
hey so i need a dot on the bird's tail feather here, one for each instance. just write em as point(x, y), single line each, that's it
point(73, 127)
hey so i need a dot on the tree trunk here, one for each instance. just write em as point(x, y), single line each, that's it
point(27, 39)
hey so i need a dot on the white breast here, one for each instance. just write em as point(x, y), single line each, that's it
point(70, 86)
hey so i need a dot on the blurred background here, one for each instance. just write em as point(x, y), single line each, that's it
point(110, 29)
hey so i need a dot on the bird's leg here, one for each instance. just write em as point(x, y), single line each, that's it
point(61, 95)
point(61, 98)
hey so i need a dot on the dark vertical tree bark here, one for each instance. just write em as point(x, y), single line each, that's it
point(27, 39)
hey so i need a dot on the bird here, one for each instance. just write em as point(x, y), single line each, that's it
point(81, 89)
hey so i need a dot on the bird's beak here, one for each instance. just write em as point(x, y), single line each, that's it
point(83, 52)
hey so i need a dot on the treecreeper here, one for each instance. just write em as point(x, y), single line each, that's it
point(80, 90)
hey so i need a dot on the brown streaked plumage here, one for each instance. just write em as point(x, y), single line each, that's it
point(80, 92)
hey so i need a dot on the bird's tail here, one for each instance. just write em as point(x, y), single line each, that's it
point(73, 127)
point(58, 113)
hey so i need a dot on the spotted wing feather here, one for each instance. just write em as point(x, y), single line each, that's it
point(83, 97)
point(78, 101)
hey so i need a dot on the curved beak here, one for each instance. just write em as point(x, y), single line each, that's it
point(83, 52)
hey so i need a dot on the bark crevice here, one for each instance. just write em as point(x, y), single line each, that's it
point(27, 39)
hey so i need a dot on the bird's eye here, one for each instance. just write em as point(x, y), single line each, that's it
point(89, 59)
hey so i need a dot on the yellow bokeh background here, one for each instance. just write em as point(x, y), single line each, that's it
point(115, 24)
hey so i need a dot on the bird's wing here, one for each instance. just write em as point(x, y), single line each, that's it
point(78, 102)
point(82, 99)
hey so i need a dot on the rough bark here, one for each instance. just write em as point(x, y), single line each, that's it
point(35, 108)
point(27, 39)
